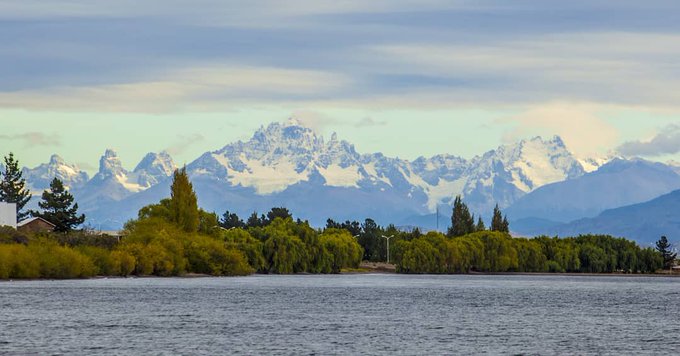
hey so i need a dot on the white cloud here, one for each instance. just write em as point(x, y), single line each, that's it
point(315, 120)
point(198, 88)
point(666, 141)
point(617, 67)
point(584, 133)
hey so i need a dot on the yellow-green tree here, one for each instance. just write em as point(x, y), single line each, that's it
point(342, 249)
point(284, 252)
point(183, 202)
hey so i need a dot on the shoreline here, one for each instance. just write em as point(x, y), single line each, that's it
point(364, 272)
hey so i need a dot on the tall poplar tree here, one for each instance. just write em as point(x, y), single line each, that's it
point(13, 186)
point(183, 202)
point(58, 207)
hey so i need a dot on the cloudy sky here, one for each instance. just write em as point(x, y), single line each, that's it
point(407, 78)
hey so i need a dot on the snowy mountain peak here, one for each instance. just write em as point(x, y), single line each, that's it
point(281, 155)
point(537, 162)
point(56, 159)
point(110, 165)
point(292, 121)
point(153, 168)
point(288, 137)
point(39, 178)
point(157, 162)
point(557, 140)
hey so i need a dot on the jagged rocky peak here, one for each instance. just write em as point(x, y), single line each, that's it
point(540, 157)
point(56, 159)
point(153, 168)
point(70, 174)
point(289, 137)
point(158, 163)
point(110, 164)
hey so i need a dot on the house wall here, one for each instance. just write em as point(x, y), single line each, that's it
point(8, 214)
point(36, 226)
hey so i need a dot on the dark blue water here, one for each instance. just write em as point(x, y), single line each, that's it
point(346, 314)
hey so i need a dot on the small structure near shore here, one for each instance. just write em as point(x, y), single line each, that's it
point(8, 214)
point(35, 224)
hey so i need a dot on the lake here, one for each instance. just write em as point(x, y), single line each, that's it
point(343, 314)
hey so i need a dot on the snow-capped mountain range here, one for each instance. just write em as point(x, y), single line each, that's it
point(289, 164)
point(285, 154)
point(39, 178)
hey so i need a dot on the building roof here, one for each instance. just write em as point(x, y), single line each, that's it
point(30, 220)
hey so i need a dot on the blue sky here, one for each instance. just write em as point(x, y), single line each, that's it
point(407, 78)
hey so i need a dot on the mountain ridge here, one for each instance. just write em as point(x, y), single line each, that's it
point(284, 160)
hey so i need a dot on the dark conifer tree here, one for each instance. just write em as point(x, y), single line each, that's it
point(183, 202)
point(59, 208)
point(254, 220)
point(505, 227)
point(462, 223)
point(332, 224)
point(666, 251)
point(497, 219)
point(231, 220)
point(480, 225)
point(13, 186)
point(279, 212)
point(354, 227)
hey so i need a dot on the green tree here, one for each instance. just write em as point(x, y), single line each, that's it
point(665, 250)
point(480, 225)
point(231, 221)
point(13, 186)
point(342, 248)
point(498, 222)
point(183, 202)
point(279, 212)
point(506, 225)
point(284, 252)
point(208, 223)
point(255, 221)
point(372, 241)
point(251, 247)
point(462, 222)
point(58, 207)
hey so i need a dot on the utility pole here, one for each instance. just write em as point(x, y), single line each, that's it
point(388, 246)
point(437, 217)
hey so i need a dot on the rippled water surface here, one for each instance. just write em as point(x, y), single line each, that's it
point(344, 314)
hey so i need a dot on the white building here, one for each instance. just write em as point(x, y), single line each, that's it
point(8, 214)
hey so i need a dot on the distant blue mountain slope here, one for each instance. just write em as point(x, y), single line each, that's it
point(644, 222)
point(617, 183)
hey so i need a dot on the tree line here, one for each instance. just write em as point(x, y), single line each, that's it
point(493, 251)
point(175, 237)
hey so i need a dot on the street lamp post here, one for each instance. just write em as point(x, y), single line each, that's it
point(388, 246)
